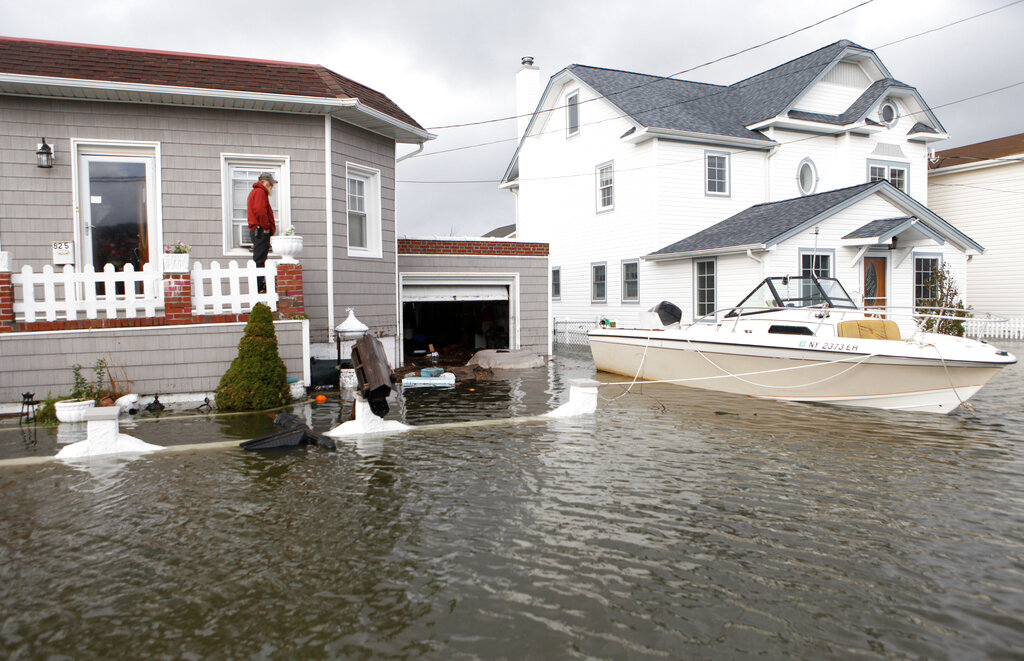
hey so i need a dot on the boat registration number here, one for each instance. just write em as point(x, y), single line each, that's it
point(829, 346)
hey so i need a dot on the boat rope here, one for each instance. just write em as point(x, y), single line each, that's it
point(639, 371)
point(857, 360)
point(949, 377)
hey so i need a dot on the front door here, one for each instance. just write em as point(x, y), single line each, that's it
point(875, 269)
point(115, 200)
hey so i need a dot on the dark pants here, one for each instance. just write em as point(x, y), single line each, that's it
point(260, 247)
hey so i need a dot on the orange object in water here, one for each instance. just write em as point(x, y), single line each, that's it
point(472, 390)
point(320, 399)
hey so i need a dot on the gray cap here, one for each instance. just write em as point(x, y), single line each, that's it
point(268, 176)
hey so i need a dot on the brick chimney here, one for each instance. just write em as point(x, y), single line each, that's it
point(527, 94)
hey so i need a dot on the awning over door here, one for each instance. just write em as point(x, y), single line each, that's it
point(449, 293)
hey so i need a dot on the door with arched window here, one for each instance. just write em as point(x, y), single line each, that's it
point(875, 282)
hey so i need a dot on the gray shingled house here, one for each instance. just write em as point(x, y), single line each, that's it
point(109, 154)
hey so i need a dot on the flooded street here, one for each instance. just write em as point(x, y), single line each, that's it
point(672, 523)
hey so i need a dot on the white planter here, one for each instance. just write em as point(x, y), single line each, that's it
point(287, 246)
point(73, 410)
point(176, 262)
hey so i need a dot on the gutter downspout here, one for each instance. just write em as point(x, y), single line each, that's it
point(329, 212)
point(410, 154)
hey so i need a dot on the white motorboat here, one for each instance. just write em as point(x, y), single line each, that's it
point(804, 339)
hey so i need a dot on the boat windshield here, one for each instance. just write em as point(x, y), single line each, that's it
point(797, 292)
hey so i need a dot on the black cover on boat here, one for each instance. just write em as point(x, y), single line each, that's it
point(668, 313)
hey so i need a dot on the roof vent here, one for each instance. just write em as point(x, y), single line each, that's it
point(527, 61)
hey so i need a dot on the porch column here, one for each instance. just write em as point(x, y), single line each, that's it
point(178, 297)
point(290, 300)
point(6, 294)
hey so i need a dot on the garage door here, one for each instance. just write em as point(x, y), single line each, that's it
point(443, 293)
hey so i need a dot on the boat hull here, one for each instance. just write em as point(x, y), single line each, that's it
point(864, 373)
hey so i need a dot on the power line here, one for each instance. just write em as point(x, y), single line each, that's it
point(731, 152)
point(723, 90)
point(678, 73)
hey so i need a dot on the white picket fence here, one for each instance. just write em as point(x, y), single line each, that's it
point(1012, 329)
point(51, 295)
point(220, 290)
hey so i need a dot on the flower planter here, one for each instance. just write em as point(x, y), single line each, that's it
point(176, 262)
point(287, 246)
point(73, 410)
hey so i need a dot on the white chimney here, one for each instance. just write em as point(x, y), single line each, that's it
point(527, 94)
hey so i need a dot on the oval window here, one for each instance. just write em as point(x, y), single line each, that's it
point(807, 176)
point(888, 113)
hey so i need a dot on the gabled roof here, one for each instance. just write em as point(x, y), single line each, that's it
point(55, 68)
point(765, 225)
point(1011, 145)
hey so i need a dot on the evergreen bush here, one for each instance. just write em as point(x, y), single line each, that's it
point(257, 379)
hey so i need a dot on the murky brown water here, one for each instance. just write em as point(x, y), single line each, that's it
point(674, 523)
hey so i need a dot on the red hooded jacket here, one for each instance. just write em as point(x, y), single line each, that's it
point(260, 212)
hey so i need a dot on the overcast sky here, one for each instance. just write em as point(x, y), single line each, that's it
point(451, 62)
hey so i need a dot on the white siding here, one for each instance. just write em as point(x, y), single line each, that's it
point(986, 205)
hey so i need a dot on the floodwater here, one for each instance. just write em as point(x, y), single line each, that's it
point(673, 523)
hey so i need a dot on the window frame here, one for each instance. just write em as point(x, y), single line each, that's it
point(726, 170)
point(594, 266)
point(556, 283)
point(280, 197)
point(372, 212)
point(895, 112)
point(830, 253)
point(572, 114)
point(814, 177)
point(610, 166)
point(699, 302)
point(937, 257)
point(889, 166)
point(626, 298)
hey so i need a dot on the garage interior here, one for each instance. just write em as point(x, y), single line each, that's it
point(455, 328)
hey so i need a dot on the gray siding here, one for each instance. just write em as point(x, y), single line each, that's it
point(36, 204)
point(368, 285)
point(168, 359)
point(533, 286)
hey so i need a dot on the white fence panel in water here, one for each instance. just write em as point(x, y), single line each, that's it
point(1012, 329)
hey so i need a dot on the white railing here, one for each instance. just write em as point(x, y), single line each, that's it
point(51, 295)
point(1011, 329)
point(220, 290)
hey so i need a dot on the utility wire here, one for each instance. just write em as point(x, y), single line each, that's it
point(692, 160)
point(720, 91)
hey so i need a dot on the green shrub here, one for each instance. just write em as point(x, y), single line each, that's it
point(257, 379)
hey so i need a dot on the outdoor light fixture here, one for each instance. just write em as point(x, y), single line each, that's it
point(44, 155)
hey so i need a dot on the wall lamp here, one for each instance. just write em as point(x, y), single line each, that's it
point(44, 155)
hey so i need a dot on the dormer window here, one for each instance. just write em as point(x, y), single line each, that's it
point(888, 113)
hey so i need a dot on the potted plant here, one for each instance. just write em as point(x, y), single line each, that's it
point(287, 245)
point(83, 394)
point(176, 257)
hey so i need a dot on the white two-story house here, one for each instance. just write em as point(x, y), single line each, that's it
point(651, 188)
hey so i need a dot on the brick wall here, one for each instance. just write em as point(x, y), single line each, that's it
point(470, 247)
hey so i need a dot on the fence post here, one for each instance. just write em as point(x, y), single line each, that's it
point(178, 297)
point(6, 294)
point(290, 302)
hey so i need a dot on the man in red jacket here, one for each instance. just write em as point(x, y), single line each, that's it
point(261, 222)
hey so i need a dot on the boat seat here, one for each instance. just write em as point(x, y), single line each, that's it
point(869, 329)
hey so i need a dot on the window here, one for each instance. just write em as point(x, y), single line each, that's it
point(807, 176)
point(364, 222)
point(894, 173)
point(556, 282)
point(631, 280)
point(888, 113)
point(817, 262)
point(238, 173)
point(704, 279)
point(717, 173)
point(925, 268)
point(605, 187)
point(598, 281)
point(572, 114)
